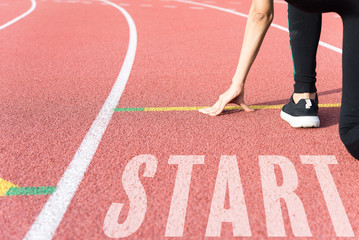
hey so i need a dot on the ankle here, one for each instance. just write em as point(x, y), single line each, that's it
point(298, 96)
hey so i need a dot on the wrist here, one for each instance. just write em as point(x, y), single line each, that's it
point(237, 83)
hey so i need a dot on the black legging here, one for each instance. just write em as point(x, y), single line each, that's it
point(304, 33)
point(304, 60)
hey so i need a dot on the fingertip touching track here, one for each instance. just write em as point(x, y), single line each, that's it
point(71, 182)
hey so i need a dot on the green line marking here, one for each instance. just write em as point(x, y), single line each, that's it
point(18, 191)
point(167, 109)
point(129, 109)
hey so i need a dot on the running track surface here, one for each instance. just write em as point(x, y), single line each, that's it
point(177, 173)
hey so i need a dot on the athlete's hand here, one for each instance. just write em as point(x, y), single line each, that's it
point(232, 95)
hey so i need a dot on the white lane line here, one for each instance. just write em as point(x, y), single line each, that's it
point(199, 8)
point(124, 4)
point(323, 44)
point(32, 8)
point(53, 211)
point(4, 4)
point(169, 6)
point(145, 5)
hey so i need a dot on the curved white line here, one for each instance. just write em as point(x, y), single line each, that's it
point(323, 44)
point(32, 8)
point(53, 211)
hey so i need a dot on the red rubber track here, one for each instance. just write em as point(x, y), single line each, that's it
point(11, 9)
point(60, 63)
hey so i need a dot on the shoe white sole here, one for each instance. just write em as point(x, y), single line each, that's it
point(300, 122)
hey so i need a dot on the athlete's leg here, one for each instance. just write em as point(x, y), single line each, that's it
point(349, 112)
point(304, 33)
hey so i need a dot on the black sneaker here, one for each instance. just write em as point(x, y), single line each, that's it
point(303, 114)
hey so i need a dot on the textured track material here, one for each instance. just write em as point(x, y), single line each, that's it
point(162, 169)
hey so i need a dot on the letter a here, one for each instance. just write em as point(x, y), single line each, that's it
point(228, 174)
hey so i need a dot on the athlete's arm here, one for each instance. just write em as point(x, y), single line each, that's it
point(259, 20)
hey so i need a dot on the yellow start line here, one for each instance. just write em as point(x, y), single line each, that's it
point(167, 109)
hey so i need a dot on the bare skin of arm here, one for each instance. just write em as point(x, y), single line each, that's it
point(259, 19)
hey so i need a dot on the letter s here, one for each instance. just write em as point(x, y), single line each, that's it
point(137, 197)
